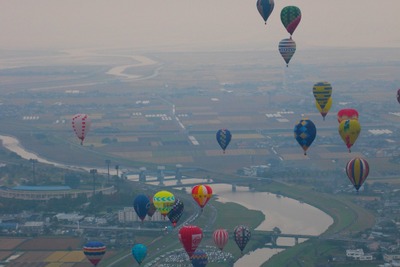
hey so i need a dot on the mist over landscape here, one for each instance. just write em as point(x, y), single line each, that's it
point(158, 80)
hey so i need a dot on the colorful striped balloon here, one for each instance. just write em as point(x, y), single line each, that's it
point(94, 251)
point(322, 91)
point(287, 48)
point(357, 169)
point(81, 125)
point(220, 237)
point(199, 258)
point(324, 111)
point(202, 194)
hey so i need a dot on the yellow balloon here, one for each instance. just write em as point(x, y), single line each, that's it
point(322, 91)
point(164, 201)
point(326, 109)
point(349, 131)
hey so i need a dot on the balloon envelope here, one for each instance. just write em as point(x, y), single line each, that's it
point(242, 235)
point(224, 137)
point(304, 133)
point(94, 251)
point(190, 237)
point(349, 131)
point(220, 237)
point(139, 252)
point(141, 205)
point(357, 169)
point(265, 8)
point(347, 114)
point(199, 259)
point(201, 194)
point(152, 209)
point(322, 92)
point(176, 212)
point(287, 48)
point(163, 201)
point(324, 111)
point(81, 125)
point(398, 95)
point(290, 17)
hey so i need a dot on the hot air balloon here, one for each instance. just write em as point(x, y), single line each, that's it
point(347, 114)
point(322, 92)
point(81, 125)
point(290, 17)
point(141, 204)
point(398, 95)
point(357, 170)
point(349, 131)
point(94, 251)
point(224, 137)
point(220, 237)
point(305, 132)
point(139, 252)
point(242, 235)
point(287, 47)
point(152, 209)
point(265, 8)
point(199, 259)
point(163, 201)
point(324, 111)
point(190, 237)
point(176, 212)
point(201, 194)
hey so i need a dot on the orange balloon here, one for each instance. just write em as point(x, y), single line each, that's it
point(201, 194)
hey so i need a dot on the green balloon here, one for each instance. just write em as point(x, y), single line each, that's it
point(290, 17)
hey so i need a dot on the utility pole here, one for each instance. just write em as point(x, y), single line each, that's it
point(117, 168)
point(33, 161)
point(108, 162)
point(93, 172)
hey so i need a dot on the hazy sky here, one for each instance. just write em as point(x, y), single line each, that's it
point(188, 24)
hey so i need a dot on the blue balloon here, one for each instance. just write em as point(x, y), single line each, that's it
point(199, 258)
point(224, 137)
point(305, 132)
point(265, 8)
point(139, 252)
point(141, 204)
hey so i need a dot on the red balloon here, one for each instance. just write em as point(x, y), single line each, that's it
point(81, 125)
point(190, 237)
point(220, 237)
point(347, 114)
point(202, 194)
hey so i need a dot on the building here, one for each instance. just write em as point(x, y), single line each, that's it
point(32, 227)
point(358, 254)
point(44, 193)
point(128, 214)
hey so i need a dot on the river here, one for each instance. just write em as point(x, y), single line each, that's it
point(290, 215)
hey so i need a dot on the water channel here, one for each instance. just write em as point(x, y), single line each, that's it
point(290, 215)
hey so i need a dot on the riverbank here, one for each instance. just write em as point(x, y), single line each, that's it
point(346, 215)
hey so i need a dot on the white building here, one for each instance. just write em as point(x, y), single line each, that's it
point(358, 254)
point(128, 214)
point(354, 252)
